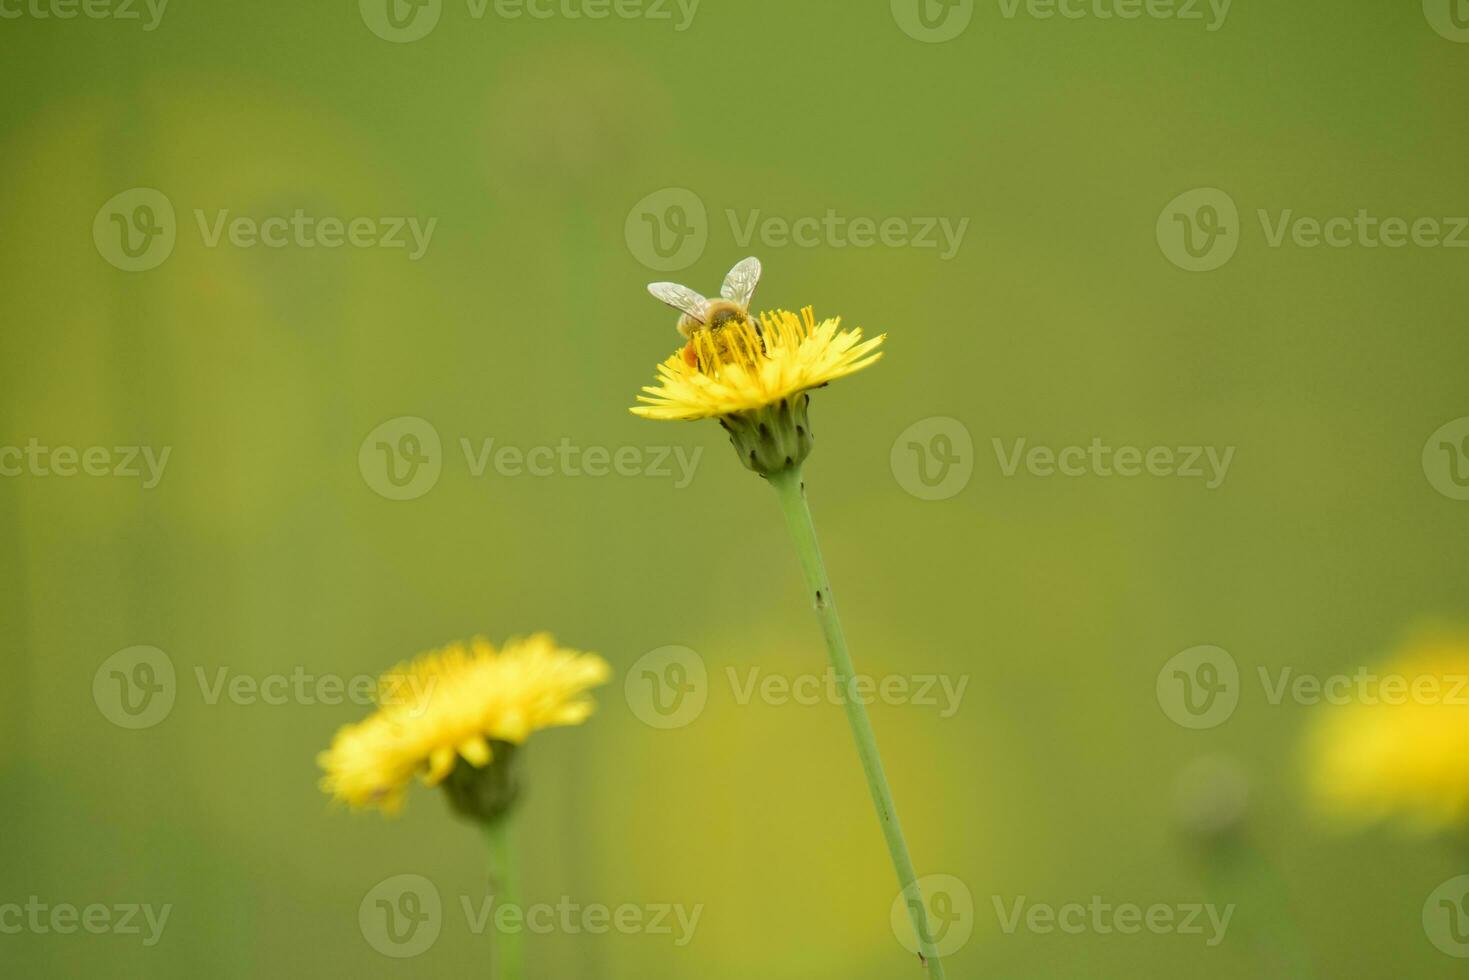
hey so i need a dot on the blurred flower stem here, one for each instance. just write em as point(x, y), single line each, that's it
point(791, 489)
point(508, 960)
point(1235, 871)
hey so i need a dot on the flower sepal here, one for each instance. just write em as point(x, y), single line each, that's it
point(484, 794)
point(772, 438)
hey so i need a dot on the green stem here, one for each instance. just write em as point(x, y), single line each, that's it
point(498, 835)
point(792, 492)
point(1237, 873)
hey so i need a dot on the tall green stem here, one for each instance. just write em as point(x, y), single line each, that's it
point(498, 835)
point(791, 489)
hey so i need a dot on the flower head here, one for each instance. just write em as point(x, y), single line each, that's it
point(447, 710)
point(754, 378)
point(743, 367)
point(1400, 749)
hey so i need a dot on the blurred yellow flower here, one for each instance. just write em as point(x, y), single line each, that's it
point(1400, 748)
point(741, 368)
point(451, 704)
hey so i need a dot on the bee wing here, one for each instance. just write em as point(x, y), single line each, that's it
point(739, 285)
point(681, 298)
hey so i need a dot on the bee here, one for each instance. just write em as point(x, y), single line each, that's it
point(698, 313)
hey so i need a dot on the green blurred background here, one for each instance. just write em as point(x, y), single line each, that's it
point(265, 548)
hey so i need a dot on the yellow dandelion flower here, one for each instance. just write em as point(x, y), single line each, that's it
point(754, 379)
point(741, 367)
point(451, 713)
point(1400, 748)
